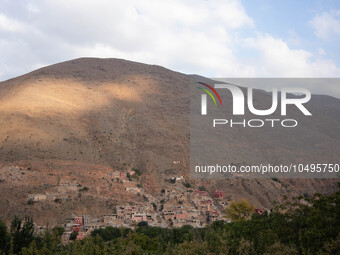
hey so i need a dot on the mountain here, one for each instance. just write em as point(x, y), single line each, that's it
point(108, 111)
point(78, 121)
point(315, 138)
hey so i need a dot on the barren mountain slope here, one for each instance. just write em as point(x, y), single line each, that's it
point(93, 115)
point(109, 111)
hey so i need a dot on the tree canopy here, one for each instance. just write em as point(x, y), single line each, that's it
point(296, 226)
point(239, 210)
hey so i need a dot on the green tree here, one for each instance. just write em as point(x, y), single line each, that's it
point(21, 234)
point(191, 248)
point(142, 224)
point(280, 249)
point(138, 243)
point(90, 246)
point(32, 250)
point(308, 223)
point(84, 189)
point(49, 242)
point(30, 202)
point(187, 185)
point(137, 171)
point(331, 247)
point(4, 237)
point(202, 188)
point(73, 235)
point(58, 230)
point(239, 210)
point(246, 248)
point(108, 233)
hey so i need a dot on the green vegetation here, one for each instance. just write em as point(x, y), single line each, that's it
point(58, 230)
point(154, 206)
point(187, 185)
point(239, 210)
point(202, 188)
point(142, 224)
point(137, 171)
point(21, 235)
point(30, 202)
point(299, 226)
point(57, 200)
point(73, 235)
point(84, 189)
point(136, 175)
point(276, 179)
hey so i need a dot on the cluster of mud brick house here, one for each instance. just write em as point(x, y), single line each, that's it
point(62, 189)
point(126, 216)
point(195, 208)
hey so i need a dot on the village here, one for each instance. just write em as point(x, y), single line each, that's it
point(178, 205)
point(172, 208)
point(197, 209)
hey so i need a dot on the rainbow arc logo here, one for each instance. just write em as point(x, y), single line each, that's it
point(209, 93)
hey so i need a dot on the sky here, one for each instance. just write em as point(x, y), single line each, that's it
point(213, 38)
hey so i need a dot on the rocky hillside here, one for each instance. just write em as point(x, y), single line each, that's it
point(94, 114)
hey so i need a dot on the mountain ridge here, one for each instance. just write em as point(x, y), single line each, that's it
point(116, 113)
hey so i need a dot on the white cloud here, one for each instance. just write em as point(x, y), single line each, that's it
point(191, 36)
point(32, 8)
point(10, 25)
point(327, 24)
point(279, 60)
point(321, 51)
